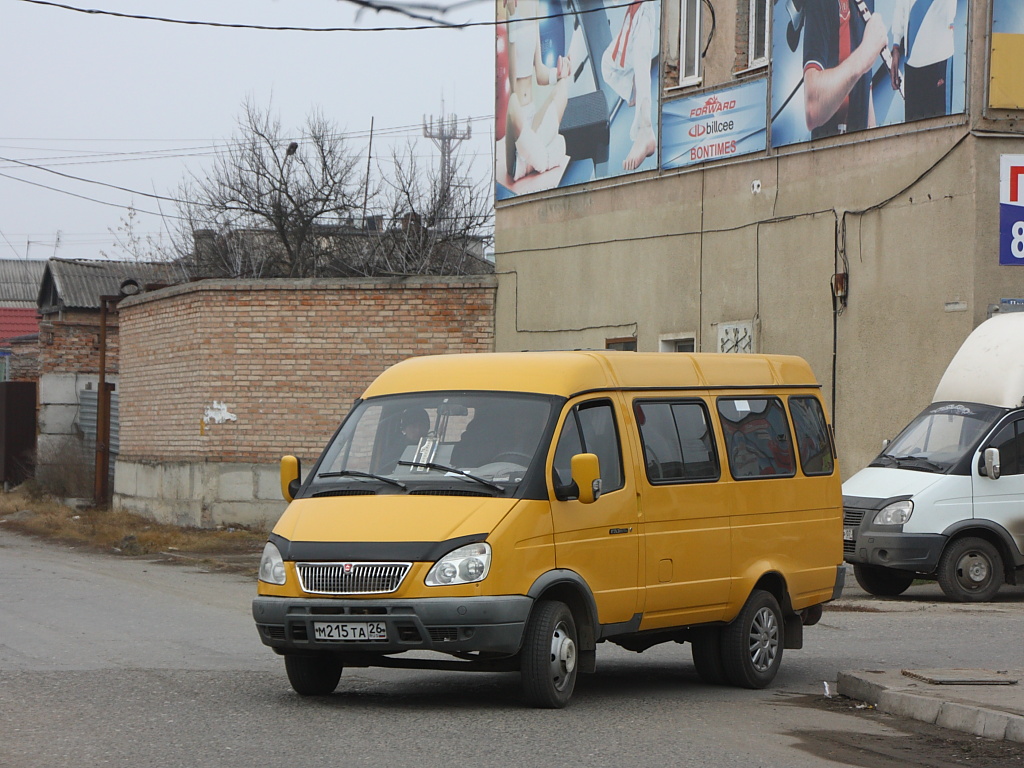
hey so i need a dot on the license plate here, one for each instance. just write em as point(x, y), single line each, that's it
point(350, 630)
point(847, 534)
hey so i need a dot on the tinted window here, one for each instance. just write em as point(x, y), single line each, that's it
point(677, 441)
point(590, 428)
point(1010, 442)
point(757, 437)
point(812, 437)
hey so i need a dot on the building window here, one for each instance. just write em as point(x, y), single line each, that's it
point(681, 343)
point(689, 42)
point(758, 40)
point(622, 345)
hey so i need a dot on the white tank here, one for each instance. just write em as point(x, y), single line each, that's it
point(989, 366)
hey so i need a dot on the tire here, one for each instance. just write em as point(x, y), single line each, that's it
point(706, 649)
point(752, 644)
point(313, 675)
point(970, 570)
point(548, 661)
point(884, 582)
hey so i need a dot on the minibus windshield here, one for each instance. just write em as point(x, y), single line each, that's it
point(470, 441)
point(939, 438)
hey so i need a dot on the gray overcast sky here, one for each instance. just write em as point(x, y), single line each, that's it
point(87, 95)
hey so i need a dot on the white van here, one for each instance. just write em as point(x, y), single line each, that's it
point(945, 499)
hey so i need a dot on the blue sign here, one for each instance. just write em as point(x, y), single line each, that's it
point(1011, 210)
point(716, 125)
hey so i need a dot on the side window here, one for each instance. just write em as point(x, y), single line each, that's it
point(689, 42)
point(677, 441)
point(1010, 442)
point(590, 428)
point(812, 437)
point(757, 437)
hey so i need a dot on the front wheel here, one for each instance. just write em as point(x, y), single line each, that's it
point(313, 675)
point(970, 570)
point(752, 644)
point(883, 582)
point(548, 662)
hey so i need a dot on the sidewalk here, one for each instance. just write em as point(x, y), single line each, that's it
point(987, 703)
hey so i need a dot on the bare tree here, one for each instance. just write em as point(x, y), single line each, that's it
point(278, 206)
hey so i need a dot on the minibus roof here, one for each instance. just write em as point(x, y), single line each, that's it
point(989, 366)
point(569, 373)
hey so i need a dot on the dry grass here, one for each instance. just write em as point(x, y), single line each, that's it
point(28, 511)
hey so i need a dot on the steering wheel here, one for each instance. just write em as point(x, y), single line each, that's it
point(508, 455)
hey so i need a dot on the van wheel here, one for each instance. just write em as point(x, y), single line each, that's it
point(548, 661)
point(883, 582)
point(313, 675)
point(970, 570)
point(752, 644)
point(706, 649)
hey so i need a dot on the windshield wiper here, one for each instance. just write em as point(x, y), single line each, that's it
point(453, 470)
point(353, 473)
point(899, 460)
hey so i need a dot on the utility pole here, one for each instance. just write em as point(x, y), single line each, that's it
point(446, 133)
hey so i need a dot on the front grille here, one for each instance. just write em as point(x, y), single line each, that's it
point(351, 578)
point(851, 519)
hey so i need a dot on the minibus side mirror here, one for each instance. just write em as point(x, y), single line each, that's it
point(586, 474)
point(885, 444)
point(291, 477)
point(992, 463)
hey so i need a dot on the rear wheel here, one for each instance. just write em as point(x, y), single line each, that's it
point(883, 582)
point(970, 570)
point(706, 649)
point(548, 661)
point(313, 675)
point(752, 644)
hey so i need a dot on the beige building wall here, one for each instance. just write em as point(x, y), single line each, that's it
point(910, 213)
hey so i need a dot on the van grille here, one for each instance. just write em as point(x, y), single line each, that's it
point(351, 578)
point(851, 519)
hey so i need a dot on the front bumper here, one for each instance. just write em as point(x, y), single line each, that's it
point(492, 625)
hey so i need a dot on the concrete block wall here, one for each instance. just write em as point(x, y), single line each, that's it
point(220, 378)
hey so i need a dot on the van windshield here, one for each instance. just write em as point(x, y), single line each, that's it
point(478, 442)
point(940, 437)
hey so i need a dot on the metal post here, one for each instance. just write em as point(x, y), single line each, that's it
point(101, 486)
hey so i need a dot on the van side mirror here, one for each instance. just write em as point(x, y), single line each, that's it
point(992, 463)
point(586, 474)
point(885, 444)
point(291, 477)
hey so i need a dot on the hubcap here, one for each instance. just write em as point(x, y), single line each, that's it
point(973, 570)
point(563, 655)
point(764, 640)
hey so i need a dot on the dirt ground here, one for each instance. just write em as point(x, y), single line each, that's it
point(917, 745)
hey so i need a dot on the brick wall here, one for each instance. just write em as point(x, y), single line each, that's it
point(72, 345)
point(284, 358)
point(23, 364)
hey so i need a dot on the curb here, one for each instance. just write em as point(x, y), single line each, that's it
point(933, 707)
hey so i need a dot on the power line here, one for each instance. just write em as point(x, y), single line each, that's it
point(85, 197)
point(435, 23)
point(94, 181)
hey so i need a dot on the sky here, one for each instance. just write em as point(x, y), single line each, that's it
point(143, 105)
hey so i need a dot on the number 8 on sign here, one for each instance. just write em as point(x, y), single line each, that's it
point(1017, 245)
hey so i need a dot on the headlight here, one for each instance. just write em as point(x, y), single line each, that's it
point(896, 513)
point(271, 565)
point(464, 565)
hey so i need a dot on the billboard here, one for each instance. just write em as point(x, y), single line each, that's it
point(1011, 210)
point(1006, 86)
point(577, 92)
point(712, 126)
point(841, 66)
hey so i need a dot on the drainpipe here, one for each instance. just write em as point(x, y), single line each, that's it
point(101, 485)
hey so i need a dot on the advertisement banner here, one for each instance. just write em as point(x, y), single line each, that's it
point(715, 125)
point(1006, 86)
point(577, 89)
point(840, 66)
point(1011, 210)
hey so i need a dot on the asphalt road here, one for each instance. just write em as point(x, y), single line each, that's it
point(108, 661)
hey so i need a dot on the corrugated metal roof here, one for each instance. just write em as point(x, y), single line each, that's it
point(17, 322)
point(19, 282)
point(80, 283)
